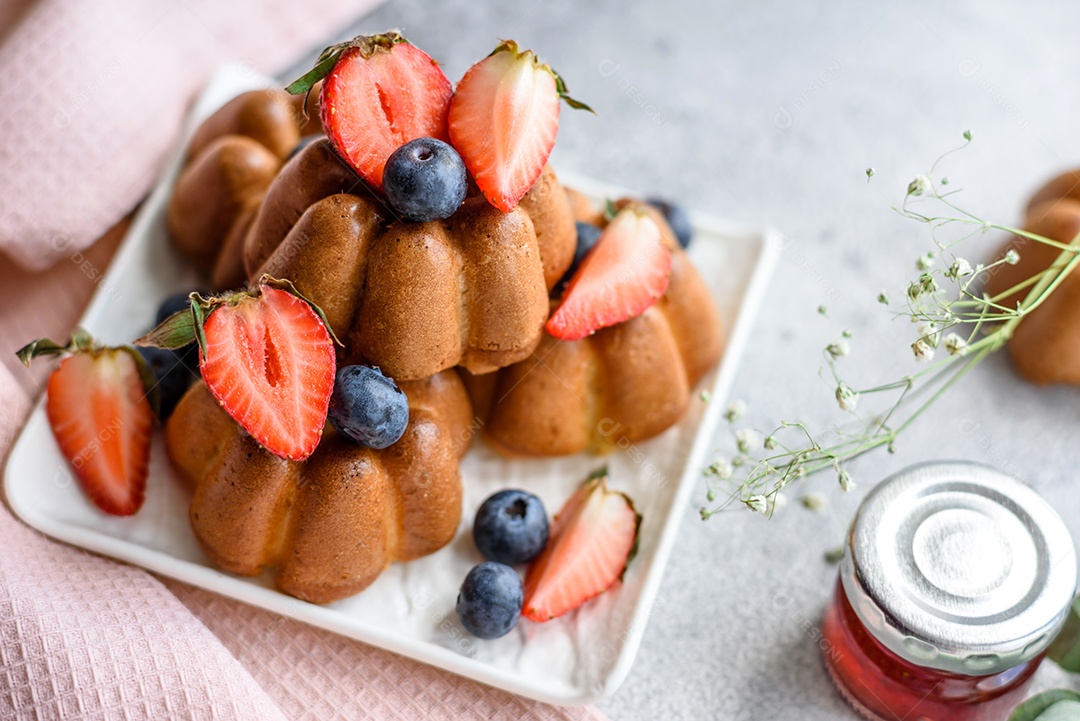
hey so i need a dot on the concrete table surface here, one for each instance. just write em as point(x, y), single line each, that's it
point(769, 113)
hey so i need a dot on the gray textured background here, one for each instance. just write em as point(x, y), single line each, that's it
point(769, 113)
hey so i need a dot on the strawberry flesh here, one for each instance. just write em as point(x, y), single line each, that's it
point(373, 103)
point(97, 406)
point(269, 360)
point(503, 120)
point(626, 272)
point(592, 539)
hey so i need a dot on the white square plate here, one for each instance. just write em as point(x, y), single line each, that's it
point(579, 658)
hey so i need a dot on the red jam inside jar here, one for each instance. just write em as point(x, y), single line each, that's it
point(882, 685)
point(954, 581)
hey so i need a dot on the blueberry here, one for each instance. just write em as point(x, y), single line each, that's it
point(172, 376)
point(368, 407)
point(511, 527)
point(425, 179)
point(587, 235)
point(490, 600)
point(676, 218)
point(304, 142)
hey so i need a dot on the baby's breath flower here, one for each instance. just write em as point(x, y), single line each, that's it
point(914, 290)
point(869, 174)
point(710, 496)
point(757, 503)
point(927, 283)
point(929, 333)
point(925, 262)
point(846, 484)
point(846, 333)
point(705, 396)
point(822, 310)
point(770, 443)
point(735, 411)
point(720, 468)
point(959, 269)
point(919, 185)
point(922, 350)
point(745, 440)
point(846, 398)
point(1012, 257)
point(955, 345)
point(812, 501)
point(838, 349)
point(883, 298)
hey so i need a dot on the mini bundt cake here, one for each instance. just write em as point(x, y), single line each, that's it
point(624, 383)
point(411, 298)
point(231, 160)
point(331, 524)
point(1045, 346)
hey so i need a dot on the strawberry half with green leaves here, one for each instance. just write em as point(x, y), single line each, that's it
point(101, 413)
point(378, 93)
point(503, 120)
point(593, 538)
point(267, 356)
point(625, 272)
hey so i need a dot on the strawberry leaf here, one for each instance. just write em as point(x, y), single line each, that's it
point(560, 87)
point(80, 340)
point(176, 331)
point(326, 62)
point(39, 347)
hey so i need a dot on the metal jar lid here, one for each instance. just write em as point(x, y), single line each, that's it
point(957, 566)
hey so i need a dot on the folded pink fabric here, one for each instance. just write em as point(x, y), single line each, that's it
point(95, 93)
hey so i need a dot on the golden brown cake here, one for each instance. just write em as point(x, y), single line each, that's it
point(411, 298)
point(331, 524)
point(1045, 347)
point(622, 384)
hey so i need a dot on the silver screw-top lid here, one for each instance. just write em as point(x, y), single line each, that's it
point(957, 566)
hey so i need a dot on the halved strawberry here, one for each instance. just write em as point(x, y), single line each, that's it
point(503, 120)
point(626, 272)
point(100, 412)
point(378, 93)
point(267, 356)
point(593, 538)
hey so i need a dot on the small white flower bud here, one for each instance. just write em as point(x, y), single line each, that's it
point(883, 298)
point(812, 501)
point(919, 185)
point(757, 503)
point(959, 269)
point(846, 398)
point(922, 350)
point(735, 411)
point(745, 440)
point(721, 468)
point(925, 262)
point(770, 443)
point(846, 484)
point(929, 333)
point(955, 345)
point(838, 349)
point(1012, 257)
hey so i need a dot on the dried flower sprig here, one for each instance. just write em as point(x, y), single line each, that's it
point(953, 315)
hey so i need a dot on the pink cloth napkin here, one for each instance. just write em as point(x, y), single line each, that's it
point(95, 92)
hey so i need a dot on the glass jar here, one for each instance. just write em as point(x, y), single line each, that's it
point(954, 581)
